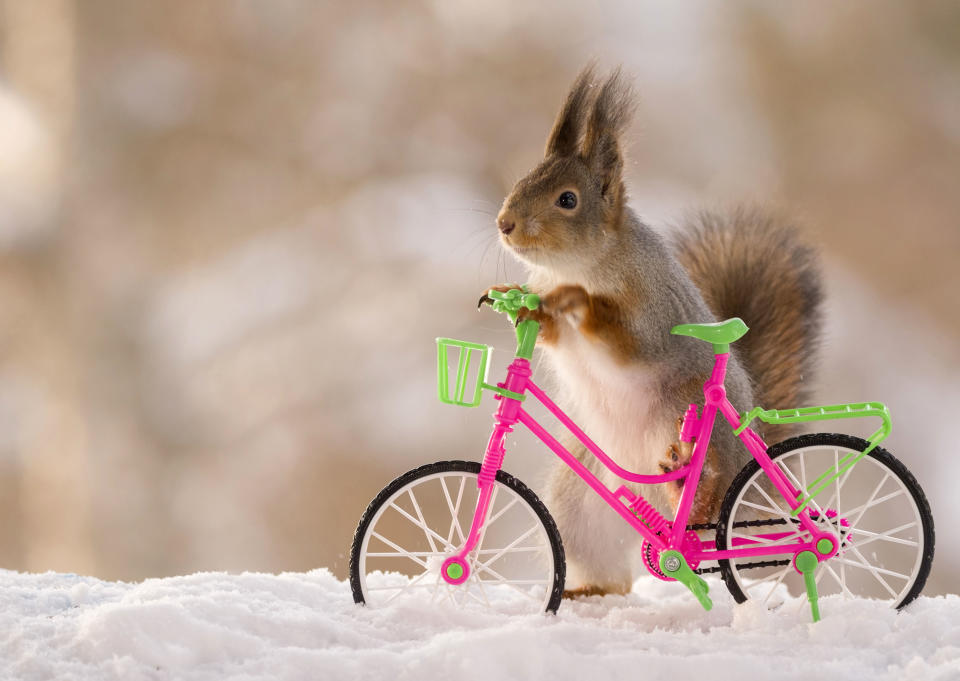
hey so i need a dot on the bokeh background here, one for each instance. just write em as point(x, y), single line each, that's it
point(230, 231)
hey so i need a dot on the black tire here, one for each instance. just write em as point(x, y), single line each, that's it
point(893, 466)
point(470, 468)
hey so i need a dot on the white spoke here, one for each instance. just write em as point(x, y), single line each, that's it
point(519, 549)
point(860, 510)
point(770, 542)
point(399, 548)
point(865, 564)
point(474, 576)
point(512, 544)
point(793, 479)
point(885, 536)
point(406, 554)
point(454, 509)
point(500, 579)
point(422, 526)
point(803, 471)
point(449, 593)
point(423, 523)
point(783, 573)
point(465, 588)
point(841, 582)
point(759, 507)
point(413, 584)
point(863, 509)
point(501, 511)
point(835, 497)
point(779, 510)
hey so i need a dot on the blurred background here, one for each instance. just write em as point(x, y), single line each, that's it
point(230, 231)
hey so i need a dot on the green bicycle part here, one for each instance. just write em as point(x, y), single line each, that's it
point(527, 331)
point(720, 334)
point(460, 396)
point(508, 302)
point(511, 302)
point(825, 413)
point(824, 545)
point(503, 391)
point(467, 350)
point(673, 564)
point(806, 563)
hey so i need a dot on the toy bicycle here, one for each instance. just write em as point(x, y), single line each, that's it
point(823, 514)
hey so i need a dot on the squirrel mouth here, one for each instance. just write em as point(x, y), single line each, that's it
point(519, 250)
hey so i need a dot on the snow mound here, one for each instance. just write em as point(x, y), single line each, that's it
point(306, 626)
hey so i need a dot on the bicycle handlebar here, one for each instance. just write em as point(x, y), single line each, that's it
point(510, 302)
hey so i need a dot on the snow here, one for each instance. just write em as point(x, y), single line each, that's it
point(306, 626)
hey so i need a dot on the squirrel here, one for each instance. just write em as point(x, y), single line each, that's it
point(612, 288)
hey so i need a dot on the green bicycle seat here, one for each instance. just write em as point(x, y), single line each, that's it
point(720, 334)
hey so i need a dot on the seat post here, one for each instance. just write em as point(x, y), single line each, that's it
point(719, 369)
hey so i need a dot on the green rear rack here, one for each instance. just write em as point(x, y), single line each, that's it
point(826, 413)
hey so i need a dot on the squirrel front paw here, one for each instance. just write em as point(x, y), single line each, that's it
point(502, 288)
point(569, 301)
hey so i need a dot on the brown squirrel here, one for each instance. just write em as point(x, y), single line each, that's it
point(611, 290)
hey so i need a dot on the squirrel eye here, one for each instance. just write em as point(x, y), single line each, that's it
point(567, 200)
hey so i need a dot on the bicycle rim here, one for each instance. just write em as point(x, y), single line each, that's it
point(876, 510)
point(424, 516)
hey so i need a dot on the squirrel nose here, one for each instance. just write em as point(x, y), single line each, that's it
point(506, 226)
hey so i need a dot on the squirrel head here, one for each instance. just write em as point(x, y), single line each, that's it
point(571, 205)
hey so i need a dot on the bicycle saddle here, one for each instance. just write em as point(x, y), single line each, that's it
point(720, 334)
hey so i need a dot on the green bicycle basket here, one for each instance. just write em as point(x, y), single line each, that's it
point(466, 391)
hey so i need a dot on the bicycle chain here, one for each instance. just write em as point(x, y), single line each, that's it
point(743, 566)
point(743, 523)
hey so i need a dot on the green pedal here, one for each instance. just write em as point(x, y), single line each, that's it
point(673, 564)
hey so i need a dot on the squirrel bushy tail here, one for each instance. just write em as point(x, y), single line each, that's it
point(753, 265)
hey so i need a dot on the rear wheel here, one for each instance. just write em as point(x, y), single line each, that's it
point(876, 510)
point(424, 516)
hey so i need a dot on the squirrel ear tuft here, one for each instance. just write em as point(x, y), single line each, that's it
point(566, 129)
point(611, 113)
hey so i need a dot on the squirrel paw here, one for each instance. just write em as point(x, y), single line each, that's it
point(677, 456)
point(675, 459)
point(570, 301)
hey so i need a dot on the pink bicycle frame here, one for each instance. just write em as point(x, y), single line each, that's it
point(631, 507)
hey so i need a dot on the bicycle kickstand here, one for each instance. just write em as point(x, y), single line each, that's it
point(807, 563)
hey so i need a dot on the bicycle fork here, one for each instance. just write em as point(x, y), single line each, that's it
point(456, 569)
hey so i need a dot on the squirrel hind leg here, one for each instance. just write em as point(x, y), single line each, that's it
point(597, 543)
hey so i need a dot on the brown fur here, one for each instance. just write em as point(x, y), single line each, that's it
point(751, 265)
point(587, 591)
point(708, 491)
point(597, 317)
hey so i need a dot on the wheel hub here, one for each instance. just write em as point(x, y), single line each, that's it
point(454, 571)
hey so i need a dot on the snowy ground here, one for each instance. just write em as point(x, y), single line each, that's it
point(305, 626)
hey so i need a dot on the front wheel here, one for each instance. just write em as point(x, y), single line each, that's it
point(424, 516)
point(876, 510)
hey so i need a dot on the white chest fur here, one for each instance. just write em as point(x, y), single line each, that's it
point(618, 406)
